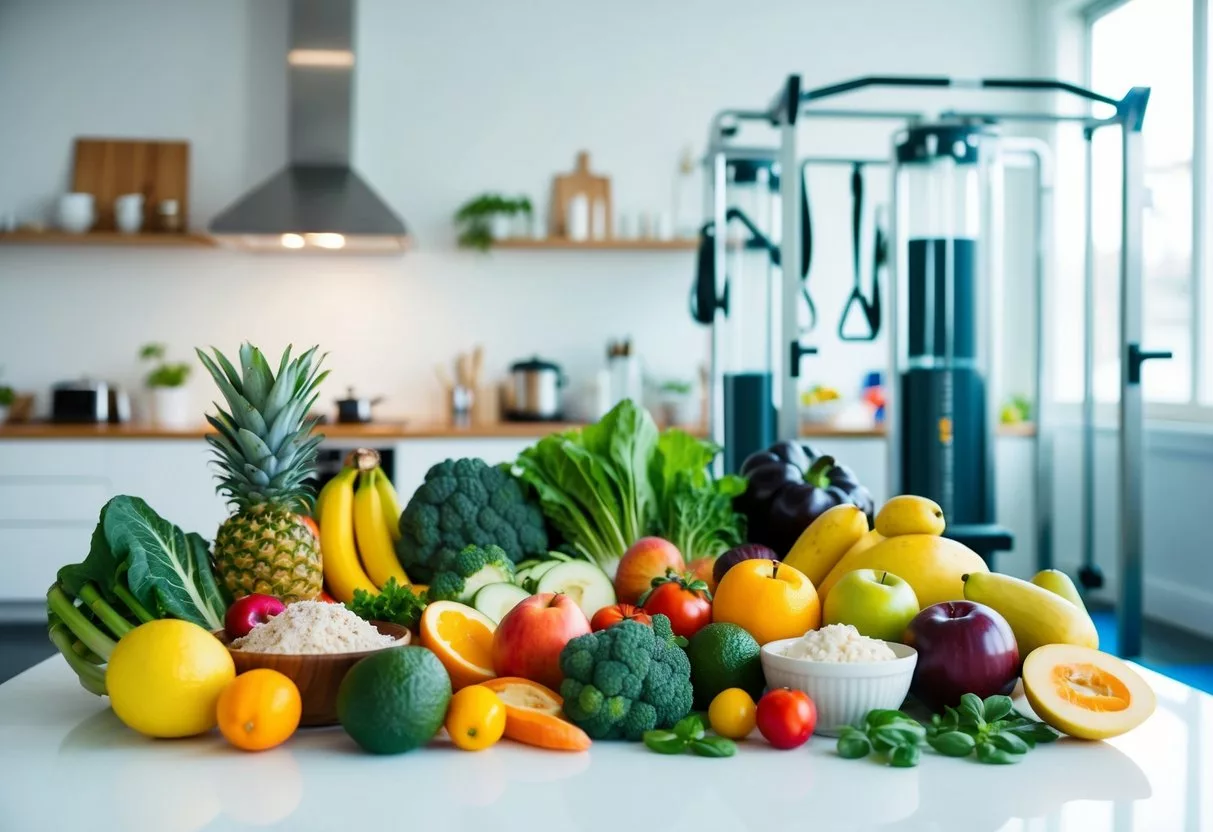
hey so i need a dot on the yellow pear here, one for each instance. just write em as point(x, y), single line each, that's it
point(909, 514)
point(1059, 582)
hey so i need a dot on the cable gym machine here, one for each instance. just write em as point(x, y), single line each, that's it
point(944, 287)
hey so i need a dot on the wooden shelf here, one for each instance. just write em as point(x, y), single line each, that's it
point(107, 238)
point(597, 245)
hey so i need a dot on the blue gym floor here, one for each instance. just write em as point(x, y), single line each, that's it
point(1182, 656)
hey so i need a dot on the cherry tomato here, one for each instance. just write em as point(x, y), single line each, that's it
point(786, 717)
point(609, 616)
point(326, 598)
point(684, 599)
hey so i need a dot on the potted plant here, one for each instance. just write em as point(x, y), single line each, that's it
point(7, 397)
point(490, 217)
point(674, 397)
point(170, 403)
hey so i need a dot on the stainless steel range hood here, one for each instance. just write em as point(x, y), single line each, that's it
point(318, 201)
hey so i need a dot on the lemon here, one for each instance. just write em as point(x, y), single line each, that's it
point(164, 678)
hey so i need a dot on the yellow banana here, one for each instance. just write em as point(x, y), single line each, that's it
point(371, 530)
point(826, 540)
point(342, 572)
point(391, 503)
point(1036, 616)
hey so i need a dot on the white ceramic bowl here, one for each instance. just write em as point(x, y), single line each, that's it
point(843, 692)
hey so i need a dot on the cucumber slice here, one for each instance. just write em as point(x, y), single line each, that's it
point(534, 573)
point(525, 564)
point(495, 600)
point(554, 555)
point(585, 583)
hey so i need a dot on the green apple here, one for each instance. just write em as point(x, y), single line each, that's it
point(877, 603)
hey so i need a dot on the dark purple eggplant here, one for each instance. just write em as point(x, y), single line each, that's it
point(788, 487)
point(746, 551)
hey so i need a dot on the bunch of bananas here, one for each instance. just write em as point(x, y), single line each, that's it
point(359, 514)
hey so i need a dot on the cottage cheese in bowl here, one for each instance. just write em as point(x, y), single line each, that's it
point(839, 643)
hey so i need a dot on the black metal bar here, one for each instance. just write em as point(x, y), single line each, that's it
point(1036, 84)
point(875, 81)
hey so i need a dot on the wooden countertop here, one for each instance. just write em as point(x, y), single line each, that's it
point(400, 431)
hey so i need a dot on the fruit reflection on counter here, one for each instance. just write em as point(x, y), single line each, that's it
point(599, 587)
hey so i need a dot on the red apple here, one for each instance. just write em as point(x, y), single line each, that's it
point(246, 613)
point(529, 639)
point(646, 559)
point(963, 647)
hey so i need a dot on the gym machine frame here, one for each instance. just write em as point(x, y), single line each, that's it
point(789, 106)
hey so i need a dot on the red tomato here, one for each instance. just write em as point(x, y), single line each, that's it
point(326, 598)
point(685, 600)
point(609, 616)
point(311, 524)
point(786, 717)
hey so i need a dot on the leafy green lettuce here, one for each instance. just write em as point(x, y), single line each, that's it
point(606, 485)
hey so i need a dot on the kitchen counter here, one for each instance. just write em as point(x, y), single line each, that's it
point(400, 430)
point(72, 765)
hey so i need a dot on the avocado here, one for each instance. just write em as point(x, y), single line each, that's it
point(395, 700)
point(724, 656)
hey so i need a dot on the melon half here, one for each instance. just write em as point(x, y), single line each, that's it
point(1085, 693)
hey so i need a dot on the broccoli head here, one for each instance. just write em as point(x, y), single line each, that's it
point(625, 680)
point(468, 571)
point(467, 502)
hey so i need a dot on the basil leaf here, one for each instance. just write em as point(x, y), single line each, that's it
point(664, 742)
point(1010, 742)
point(891, 736)
point(972, 711)
point(714, 747)
point(885, 716)
point(953, 744)
point(854, 746)
point(996, 707)
point(951, 719)
point(1033, 732)
point(689, 728)
point(987, 752)
point(905, 756)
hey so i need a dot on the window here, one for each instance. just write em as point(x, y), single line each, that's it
point(1147, 43)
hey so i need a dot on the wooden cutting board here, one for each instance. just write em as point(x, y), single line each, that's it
point(109, 168)
point(580, 181)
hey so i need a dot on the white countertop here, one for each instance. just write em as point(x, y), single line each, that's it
point(68, 763)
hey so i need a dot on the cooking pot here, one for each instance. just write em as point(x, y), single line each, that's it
point(354, 409)
point(535, 385)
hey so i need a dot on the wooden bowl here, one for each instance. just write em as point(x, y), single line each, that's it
point(317, 675)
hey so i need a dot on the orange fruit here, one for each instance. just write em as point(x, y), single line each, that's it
point(1085, 693)
point(475, 719)
point(462, 639)
point(768, 599)
point(533, 715)
point(259, 709)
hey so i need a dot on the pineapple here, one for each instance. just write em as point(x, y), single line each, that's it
point(264, 454)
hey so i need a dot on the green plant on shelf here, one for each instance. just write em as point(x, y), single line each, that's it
point(7, 395)
point(474, 218)
point(164, 373)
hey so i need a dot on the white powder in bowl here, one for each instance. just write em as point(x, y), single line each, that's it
point(839, 643)
point(313, 627)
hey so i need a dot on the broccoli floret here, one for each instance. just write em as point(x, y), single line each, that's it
point(625, 680)
point(467, 502)
point(469, 570)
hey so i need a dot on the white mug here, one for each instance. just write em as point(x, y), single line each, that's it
point(128, 213)
point(76, 213)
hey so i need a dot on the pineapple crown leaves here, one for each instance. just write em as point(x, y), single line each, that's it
point(262, 447)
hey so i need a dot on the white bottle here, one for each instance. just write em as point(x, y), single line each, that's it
point(600, 220)
point(577, 221)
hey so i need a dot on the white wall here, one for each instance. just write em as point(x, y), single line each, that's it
point(450, 102)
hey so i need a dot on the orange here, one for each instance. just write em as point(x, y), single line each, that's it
point(769, 599)
point(1085, 693)
point(533, 715)
point(462, 639)
point(475, 719)
point(259, 709)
